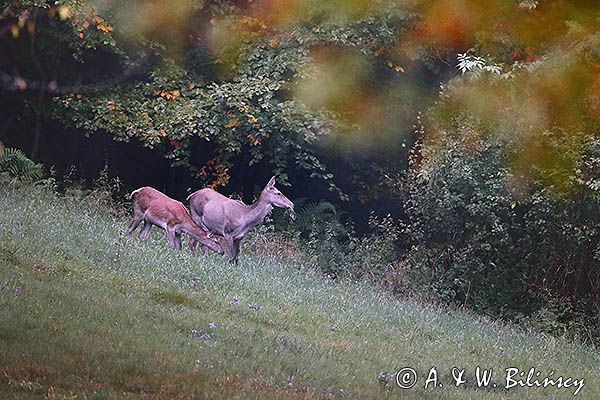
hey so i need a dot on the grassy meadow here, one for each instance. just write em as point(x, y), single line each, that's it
point(88, 313)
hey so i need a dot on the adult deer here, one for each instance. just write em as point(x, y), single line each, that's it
point(232, 219)
point(156, 208)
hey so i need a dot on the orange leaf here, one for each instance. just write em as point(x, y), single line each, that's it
point(104, 27)
point(168, 94)
point(255, 141)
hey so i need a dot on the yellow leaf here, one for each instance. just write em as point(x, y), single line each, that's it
point(64, 12)
point(14, 29)
point(232, 123)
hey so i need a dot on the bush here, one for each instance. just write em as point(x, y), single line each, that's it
point(504, 244)
point(316, 238)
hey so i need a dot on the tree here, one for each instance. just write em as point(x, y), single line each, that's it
point(225, 87)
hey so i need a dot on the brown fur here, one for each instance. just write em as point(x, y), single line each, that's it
point(155, 208)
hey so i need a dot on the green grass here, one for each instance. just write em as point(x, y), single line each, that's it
point(86, 312)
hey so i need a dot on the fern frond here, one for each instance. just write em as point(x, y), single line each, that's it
point(14, 164)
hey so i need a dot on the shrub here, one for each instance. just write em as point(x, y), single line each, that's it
point(317, 238)
point(505, 244)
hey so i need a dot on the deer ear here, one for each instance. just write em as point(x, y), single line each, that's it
point(271, 182)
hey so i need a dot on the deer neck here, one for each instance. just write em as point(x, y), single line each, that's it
point(258, 211)
point(189, 226)
point(191, 230)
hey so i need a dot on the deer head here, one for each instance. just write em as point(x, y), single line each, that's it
point(271, 195)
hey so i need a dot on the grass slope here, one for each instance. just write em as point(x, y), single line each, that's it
point(88, 313)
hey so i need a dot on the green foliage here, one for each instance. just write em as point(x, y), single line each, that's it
point(14, 164)
point(502, 243)
point(310, 217)
point(212, 108)
point(319, 232)
point(323, 238)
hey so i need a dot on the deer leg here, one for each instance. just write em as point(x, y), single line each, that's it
point(236, 249)
point(171, 237)
point(193, 245)
point(137, 220)
point(177, 240)
point(229, 248)
point(145, 230)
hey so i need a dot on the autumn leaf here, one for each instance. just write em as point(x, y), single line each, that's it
point(253, 139)
point(64, 12)
point(101, 24)
point(112, 106)
point(14, 29)
point(104, 27)
point(396, 68)
point(233, 123)
point(168, 94)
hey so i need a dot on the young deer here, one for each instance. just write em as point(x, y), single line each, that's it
point(155, 208)
point(232, 219)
